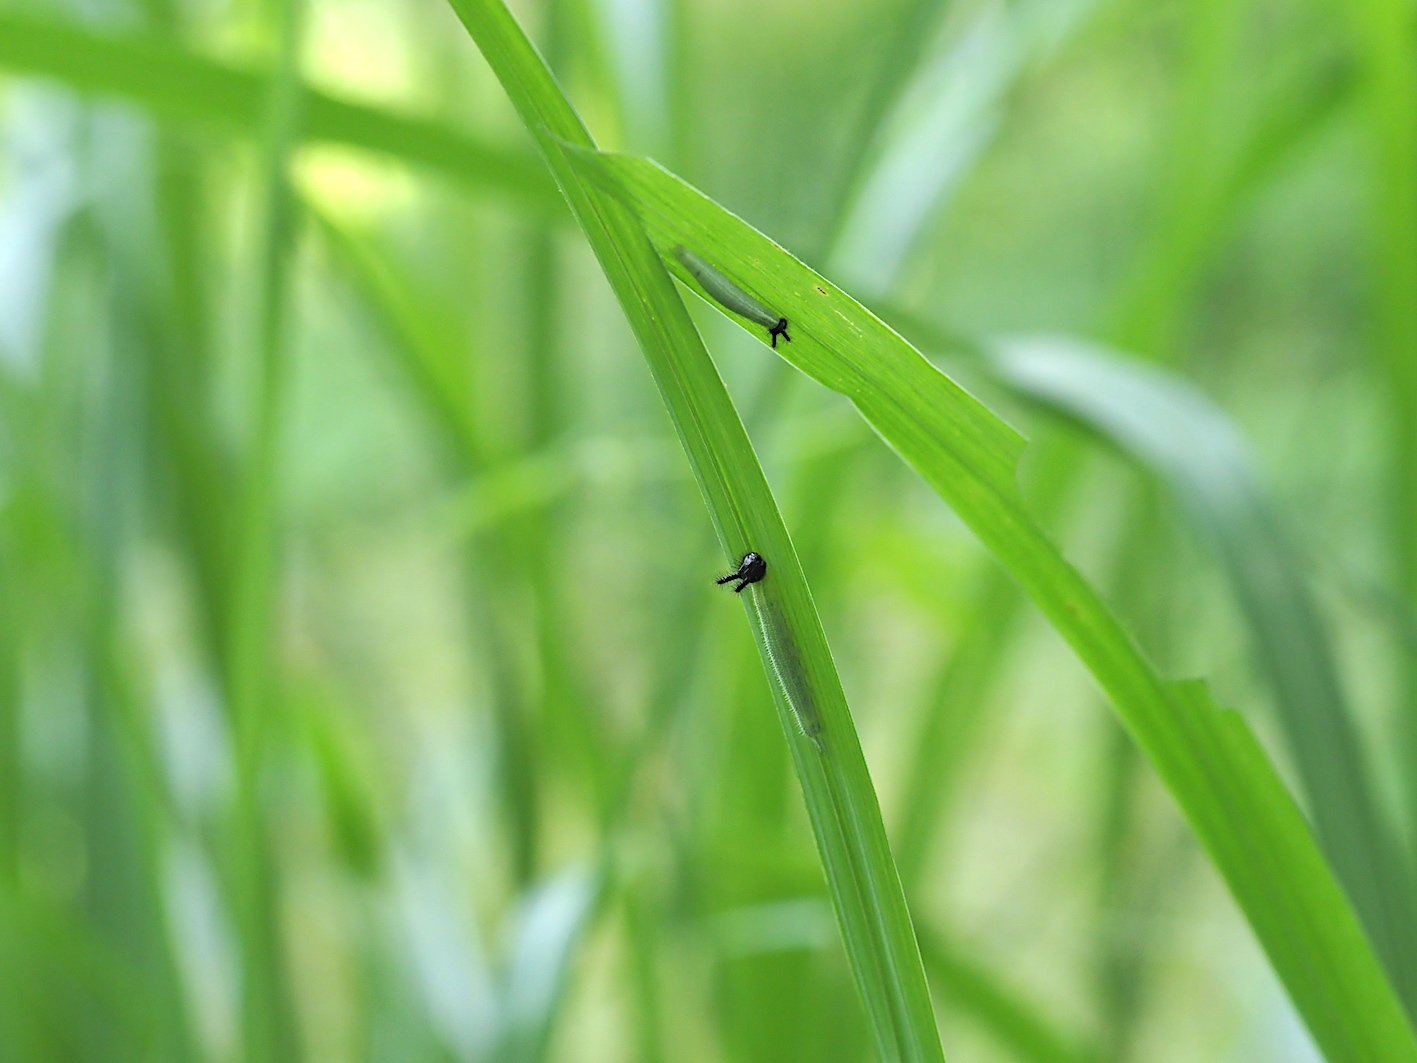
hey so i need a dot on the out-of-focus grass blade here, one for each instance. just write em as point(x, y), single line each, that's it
point(551, 923)
point(943, 120)
point(636, 41)
point(456, 985)
point(1210, 761)
point(1155, 297)
point(63, 967)
point(1384, 56)
point(431, 355)
point(959, 701)
point(939, 127)
point(913, 29)
point(100, 950)
point(176, 83)
point(11, 609)
point(427, 347)
point(352, 820)
point(1013, 1021)
point(837, 788)
point(1174, 430)
point(1207, 181)
point(252, 681)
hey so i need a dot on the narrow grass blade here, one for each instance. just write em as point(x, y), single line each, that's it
point(270, 1029)
point(426, 347)
point(431, 357)
point(1172, 428)
point(1206, 180)
point(357, 838)
point(171, 307)
point(960, 699)
point(636, 44)
point(998, 1007)
point(11, 609)
point(1390, 80)
point(175, 83)
point(1208, 759)
point(1196, 161)
point(839, 796)
point(940, 125)
point(914, 25)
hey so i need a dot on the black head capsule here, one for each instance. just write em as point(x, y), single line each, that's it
point(751, 569)
point(780, 329)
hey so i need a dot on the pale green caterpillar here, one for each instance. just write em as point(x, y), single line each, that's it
point(732, 297)
point(786, 661)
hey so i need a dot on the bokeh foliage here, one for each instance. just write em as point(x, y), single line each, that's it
point(364, 693)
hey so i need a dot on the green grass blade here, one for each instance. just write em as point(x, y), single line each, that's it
point(1208, 184)
point(1174, 430)
point(1208, 759)
point(177, 375)
point(837, 788)
point(1190, 180)
point(176, 83)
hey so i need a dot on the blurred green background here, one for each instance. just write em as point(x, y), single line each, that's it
point(364, 690)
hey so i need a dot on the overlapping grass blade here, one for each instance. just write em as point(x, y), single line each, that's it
point(1207, 758)
point(839, 795)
